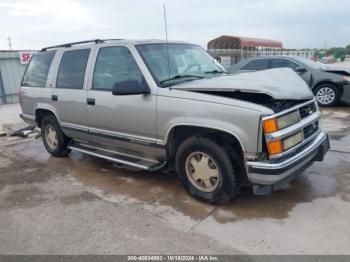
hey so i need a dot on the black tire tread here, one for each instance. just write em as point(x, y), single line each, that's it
point(228, 155)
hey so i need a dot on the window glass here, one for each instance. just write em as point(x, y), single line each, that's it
point(279, 63)
point(168, 60)
point(115, 65)
point(38, 69)
point(260, 64)
point(72, 69)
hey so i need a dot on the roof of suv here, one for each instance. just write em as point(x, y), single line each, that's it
point(119, 41)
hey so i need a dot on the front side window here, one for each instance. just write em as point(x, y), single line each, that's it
point(115, 65)
point(38, 69)
point(166, 61)
point(72, 69)
point(282, 63)
point(260, 64)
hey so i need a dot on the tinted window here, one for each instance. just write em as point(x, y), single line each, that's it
point(279, 63)
point(114, 65)
point(260, 64)
point(38, 69)
point(72, 69)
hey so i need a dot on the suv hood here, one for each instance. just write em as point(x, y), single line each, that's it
point(281, 84)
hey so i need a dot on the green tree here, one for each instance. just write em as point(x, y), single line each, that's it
point(347, 49)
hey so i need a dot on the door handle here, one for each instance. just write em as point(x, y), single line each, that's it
point(54, 97)
point(90, 101)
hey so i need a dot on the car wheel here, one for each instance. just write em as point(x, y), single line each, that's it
point(327, 95)
point(208, 169)
point(53, 137)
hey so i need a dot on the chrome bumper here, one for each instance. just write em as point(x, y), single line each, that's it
point(272, 172)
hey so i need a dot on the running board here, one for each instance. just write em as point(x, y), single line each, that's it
point(128, 160)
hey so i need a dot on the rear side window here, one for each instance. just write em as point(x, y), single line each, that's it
point(280, 63)
point(38, 69)
point(72, 69)
point(115, 65)
point(260, 64)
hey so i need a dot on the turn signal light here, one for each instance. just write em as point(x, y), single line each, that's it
point(275, 147)
point(270, 125)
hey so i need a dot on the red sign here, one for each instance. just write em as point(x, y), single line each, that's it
point(24, 57)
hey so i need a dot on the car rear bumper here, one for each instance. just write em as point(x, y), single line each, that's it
point(266, 173)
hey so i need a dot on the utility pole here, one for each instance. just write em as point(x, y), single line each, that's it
point(10, 44)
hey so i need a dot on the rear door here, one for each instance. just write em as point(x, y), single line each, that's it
point(69, 95)
point(126, 123)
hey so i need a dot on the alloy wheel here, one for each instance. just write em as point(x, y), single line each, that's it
point(202, 171)
point(325, 95)
point(51, 137)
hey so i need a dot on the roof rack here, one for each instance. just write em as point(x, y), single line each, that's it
point(96, 41)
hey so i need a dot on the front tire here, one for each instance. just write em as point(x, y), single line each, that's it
point(327, 95)
point(208, 169)
point(53, 137)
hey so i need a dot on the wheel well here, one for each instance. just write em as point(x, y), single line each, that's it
point(329, 83)
point(40, 114)
point(180, 133)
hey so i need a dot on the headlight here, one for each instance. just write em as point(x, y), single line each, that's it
point(346, 78)
point(274, 124)
point(288, 120)
point(292, 140)
point(278, 146)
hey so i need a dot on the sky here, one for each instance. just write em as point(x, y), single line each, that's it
point(33, 24)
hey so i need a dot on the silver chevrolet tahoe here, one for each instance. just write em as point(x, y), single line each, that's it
point(156, 105)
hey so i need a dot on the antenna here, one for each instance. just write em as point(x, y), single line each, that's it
point(166, 37)
point(10, 44)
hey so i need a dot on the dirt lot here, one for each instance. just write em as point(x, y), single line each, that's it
point(84, 205)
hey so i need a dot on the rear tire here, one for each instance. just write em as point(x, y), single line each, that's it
point(53, 137)
point(327, 95)
point(208, 169)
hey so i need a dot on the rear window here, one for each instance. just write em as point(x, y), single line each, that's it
point(72, 69)
point(38, 69)
point(256, 65)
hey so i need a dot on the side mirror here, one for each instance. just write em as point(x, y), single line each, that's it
point(300, 69)
point(130, 87)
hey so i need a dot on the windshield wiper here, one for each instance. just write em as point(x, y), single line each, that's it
point(179, 77)
point(215, 71)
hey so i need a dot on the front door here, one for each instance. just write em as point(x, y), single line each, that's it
point(125, 123)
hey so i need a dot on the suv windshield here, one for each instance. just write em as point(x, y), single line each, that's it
point(186, 62)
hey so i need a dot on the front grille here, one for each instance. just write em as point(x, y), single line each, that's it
point(307, 110)
point(280, 105)
point(310, 130)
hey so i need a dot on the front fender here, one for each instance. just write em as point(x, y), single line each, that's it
point(242, 123)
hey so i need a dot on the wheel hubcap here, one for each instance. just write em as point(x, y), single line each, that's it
point(51, 137)
point(325, 95)
point(202, 171)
